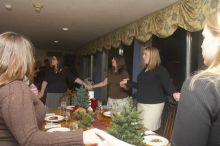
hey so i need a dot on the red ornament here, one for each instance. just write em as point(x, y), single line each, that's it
point(93, 103)
point(74, 108)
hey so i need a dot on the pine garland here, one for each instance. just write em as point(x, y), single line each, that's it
point(127, 125)
point(81, 98)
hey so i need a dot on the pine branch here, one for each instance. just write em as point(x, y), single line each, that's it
point(81, 98)
point(127, 126)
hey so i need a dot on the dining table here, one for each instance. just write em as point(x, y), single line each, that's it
point(101, 121)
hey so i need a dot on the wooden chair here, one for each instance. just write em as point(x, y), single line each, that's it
point(171, 113)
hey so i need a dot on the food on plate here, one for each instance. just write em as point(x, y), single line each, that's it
point(156, 140)
point(53, 118)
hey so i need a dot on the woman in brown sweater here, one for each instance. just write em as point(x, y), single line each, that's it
point(21, 111)
point(117, 96)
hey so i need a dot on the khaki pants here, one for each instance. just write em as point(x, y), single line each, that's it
point(151, 115)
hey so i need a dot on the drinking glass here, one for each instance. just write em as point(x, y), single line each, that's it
point(66, 115)
point(73, 126)
point(63, 105)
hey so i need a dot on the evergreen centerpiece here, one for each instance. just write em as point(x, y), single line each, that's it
point(127, 125)
point(81, 98)
point(84, 118)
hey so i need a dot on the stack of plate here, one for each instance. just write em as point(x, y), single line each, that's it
point(61, 129)
point(155, 140)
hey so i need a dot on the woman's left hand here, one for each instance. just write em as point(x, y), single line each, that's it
point(176, 96)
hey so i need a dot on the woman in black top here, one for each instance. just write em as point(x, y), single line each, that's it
point(151, 83)
point(55, 80)
point(197, 121)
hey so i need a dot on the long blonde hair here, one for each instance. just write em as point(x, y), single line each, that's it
point(154, 60)
point(16, 58)
point(213, 71)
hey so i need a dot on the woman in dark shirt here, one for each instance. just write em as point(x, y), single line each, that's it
point(197, 121)
point(151, 84)
point(56, 80)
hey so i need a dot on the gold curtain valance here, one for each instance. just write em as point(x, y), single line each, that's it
point(187, 14)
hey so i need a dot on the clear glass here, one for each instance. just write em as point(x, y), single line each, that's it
point(63, 105)
point(73, 126)
point(66, 115)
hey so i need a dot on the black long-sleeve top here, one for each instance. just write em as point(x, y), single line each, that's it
point(197, 121)
point(58, 82)
point(152, 86)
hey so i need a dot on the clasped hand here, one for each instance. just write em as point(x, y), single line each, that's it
point(123, 83)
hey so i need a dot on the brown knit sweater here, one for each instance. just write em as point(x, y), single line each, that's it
point(21, 112)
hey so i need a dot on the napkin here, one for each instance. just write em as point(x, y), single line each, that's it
point(52, 125)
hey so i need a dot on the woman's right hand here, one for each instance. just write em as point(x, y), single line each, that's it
point(40, 95)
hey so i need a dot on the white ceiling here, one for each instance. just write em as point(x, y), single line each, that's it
point(86, 19)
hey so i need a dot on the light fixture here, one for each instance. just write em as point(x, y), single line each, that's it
point(56, 42)
point(65, 28)
point(8, 7)
point(121, 51)
point(37, 7)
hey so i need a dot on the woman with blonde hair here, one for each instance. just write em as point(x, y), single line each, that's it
point(197, 121)
point(21, 112)
point(152, 83)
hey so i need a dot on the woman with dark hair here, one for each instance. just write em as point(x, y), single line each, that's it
point(117, 96)
point(56, 80)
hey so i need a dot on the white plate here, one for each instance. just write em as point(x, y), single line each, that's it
point(52, 125)
point(50, 114)
point(61, 129)
point(155, 140)
point(107, 113)
point(70, 107)
point(54, 118)
point(149, 132)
